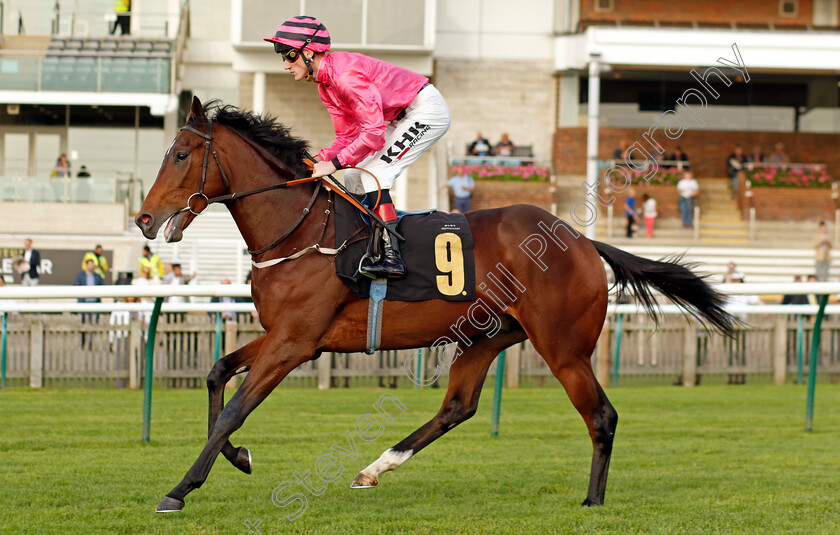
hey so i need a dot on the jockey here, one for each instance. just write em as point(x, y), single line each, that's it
point(362, 94)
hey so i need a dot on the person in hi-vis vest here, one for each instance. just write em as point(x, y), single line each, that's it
point(151, 261)
point(123, 10)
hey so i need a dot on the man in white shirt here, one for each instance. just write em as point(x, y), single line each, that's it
point(688, 189)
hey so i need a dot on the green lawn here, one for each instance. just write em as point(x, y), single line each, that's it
point(712, 459)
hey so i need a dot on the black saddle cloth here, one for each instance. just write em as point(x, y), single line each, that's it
point(437, 251)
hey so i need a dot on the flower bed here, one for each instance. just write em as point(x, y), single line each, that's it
point(805, 176)
point(526, 172)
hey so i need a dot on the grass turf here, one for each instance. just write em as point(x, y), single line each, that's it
point(712, 459)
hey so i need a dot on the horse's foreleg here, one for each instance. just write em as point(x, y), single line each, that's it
point(219, 375)
point(466, 376)
point(601, 418)
point(265, 374)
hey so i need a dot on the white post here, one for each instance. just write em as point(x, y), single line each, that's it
point(259, 92)
point(752, 223)
point(696, 223)
point(592, 132)
point(610, 221)
point(36, 355)
point(836, 225)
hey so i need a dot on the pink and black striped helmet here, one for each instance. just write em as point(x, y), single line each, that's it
point(302, 32)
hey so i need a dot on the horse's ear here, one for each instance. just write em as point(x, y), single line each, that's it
point(196, 110)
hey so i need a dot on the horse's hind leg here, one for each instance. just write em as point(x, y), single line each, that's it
point(219, 375)
point(466, 376)
point(601, 418)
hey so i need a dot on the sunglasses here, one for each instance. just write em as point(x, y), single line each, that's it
point(289, 54)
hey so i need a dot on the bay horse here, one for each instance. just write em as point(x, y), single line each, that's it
point(306, 309)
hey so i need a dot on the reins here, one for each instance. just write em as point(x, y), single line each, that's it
point(337, 188)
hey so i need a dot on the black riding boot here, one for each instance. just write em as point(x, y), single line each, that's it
point(391, 264)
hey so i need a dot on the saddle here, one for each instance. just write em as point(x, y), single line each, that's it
point(437, 251)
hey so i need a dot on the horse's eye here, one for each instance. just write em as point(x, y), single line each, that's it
point(181, 156)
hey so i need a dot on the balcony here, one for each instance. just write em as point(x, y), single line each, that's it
point(89, 65)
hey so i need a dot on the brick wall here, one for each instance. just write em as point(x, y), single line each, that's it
point(786, 204)
point(711, 11)
point(708, 149)
point(492, 194)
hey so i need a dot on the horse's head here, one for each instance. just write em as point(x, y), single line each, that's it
point(188, 176)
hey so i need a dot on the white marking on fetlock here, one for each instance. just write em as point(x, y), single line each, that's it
point(390, 460)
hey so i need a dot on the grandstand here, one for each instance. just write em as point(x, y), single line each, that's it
point(68, 85)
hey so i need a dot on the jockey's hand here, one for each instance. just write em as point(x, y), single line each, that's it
point(323, 169)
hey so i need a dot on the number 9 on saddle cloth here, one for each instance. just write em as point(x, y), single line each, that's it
point(438, 253)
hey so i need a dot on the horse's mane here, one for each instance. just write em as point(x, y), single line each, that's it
point(264, 130)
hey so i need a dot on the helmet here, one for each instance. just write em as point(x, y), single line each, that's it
point(302, 32)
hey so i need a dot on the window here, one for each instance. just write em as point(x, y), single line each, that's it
point(788, 8)
point(379, 24)
point(604, 5)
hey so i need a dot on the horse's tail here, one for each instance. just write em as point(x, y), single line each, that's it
point(674, 280)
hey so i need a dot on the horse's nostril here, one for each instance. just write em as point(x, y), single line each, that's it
point(144, 219)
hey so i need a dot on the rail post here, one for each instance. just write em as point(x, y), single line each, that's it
point(619, 321)
point(3, 356)
point(812, 368)
point(150, 361)
point(497, 395)
point(218, 336)
point(800, 346)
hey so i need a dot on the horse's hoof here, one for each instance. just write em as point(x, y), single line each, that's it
point(243, 460)
point(169, 505)
point(590, 503)
point(364, 481)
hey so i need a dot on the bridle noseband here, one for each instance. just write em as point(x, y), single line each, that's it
point(208, 138)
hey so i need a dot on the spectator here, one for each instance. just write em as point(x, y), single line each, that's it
point(152, 261)
point(822, 252)
point(122, 9)
point(630, 211)
point(504, 147)
point(226, 316)
point(649, 213)
point(618, 154)
point(28, 264)
point(99, 261)
point(735, 163)
point(732, 273)
point(757, 157)
point(62, 167)
point(88, 277)
point(737, 344)
point(795, 299)
point(83, 172)
point(779, 157)
point(681, 159)
point(167, 273)
point(462, 185)
point(813, 299)
point(688, 188)
point(60, 172)
point(178, 279)
point(480, 146)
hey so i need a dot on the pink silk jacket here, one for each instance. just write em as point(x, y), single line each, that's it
point(361, 93)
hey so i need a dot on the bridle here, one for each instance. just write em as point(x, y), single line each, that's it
point(208, 149)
